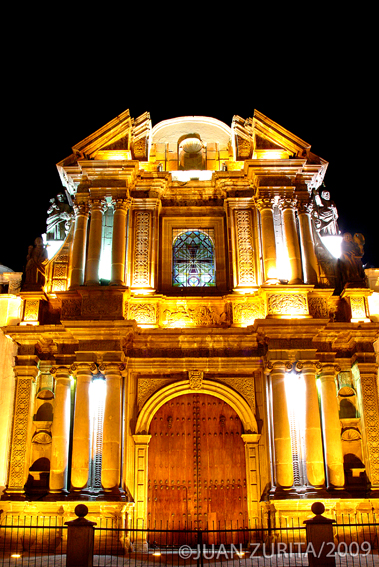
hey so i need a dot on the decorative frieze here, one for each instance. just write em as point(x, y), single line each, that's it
point(287, 304)
point(245, 312)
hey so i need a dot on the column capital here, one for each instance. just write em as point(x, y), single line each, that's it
point(305, 208)
point(265, 203)
point(81, 209)
point(287, 203)
point(121, 204)
point(279, 366)
point(97, 204)
point(79, 368)
point(306, 366)
point(112, 368)
point(60, 371)
point(251, 438)
point(328, 369)
point(31, 372)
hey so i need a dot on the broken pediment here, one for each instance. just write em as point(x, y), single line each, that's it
point(262, 138)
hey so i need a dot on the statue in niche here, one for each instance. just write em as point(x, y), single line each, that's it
point(325, 214)
point(36, 261)
point(350, 263)
point(59, 218)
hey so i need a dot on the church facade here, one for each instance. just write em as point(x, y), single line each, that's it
point(193, 352)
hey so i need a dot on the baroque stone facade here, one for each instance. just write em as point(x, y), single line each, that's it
point(192, 332)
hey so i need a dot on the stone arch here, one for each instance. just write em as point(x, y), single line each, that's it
point(216, 389)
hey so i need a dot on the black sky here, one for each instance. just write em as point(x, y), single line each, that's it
point(330, 104)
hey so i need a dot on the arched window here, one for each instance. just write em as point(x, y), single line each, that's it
point(193, 258)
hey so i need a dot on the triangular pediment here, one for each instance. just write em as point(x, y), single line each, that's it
point(271, 136)
point(115, 134)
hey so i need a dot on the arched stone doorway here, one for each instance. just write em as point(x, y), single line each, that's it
point(196, 466)
point(196, 459)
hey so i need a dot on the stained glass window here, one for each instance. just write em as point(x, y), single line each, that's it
point(193, 258)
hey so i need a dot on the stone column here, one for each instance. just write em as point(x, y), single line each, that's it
point(60, 430)
point(21, 434)
point(310, 265)
point(94, 242)
point(82, 426)
point(292, 243)
point(268, 238)
point(79, 245)
point(332, 428)
point(119, 241)
point(282, 434)
point(111, 458)
point(313, 435)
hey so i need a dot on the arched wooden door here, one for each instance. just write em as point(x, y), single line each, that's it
point(196, 469)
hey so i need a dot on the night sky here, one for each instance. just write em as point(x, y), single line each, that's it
point(48, 112)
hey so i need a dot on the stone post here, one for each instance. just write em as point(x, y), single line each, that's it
point(310, 265)
point(119, 241)
point(82, 426)
point(320, 540)
point(332, 428)
point(292, 243)
point(268, 239)
point(111, 459)
point(94, 242)
point(60, 430)
point(282, 435)
point(79, 245)
point(80, 539)
point(313, 435)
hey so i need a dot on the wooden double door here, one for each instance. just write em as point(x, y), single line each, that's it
point(196, 468)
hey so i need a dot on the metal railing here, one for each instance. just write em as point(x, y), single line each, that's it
point(42, 541)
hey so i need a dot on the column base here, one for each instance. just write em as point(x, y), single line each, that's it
point(112, 495)
point(13, 496)
point(55, 496)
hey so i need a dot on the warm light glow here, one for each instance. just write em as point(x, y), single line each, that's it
point(270, 154)
point(157, 553)
point(272, 274)
point(114, 155)
point(16, 555)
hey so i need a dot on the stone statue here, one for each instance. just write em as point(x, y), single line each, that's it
point(325, 214)
point(36, 261)
point(350, 263)
point(58, 221)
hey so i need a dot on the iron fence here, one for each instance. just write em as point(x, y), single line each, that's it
point(42, 541)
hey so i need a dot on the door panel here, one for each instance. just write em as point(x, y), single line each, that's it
point(197, 471)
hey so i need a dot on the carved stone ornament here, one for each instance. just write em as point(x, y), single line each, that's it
point(195, 378)
point(245, 313)
point(287, 304)
point(143, 313)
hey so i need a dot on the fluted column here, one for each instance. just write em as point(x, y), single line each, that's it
point(82, 426)
point(332, 428)
point(94, 242)
point(310, 266)
point(79, 245)
point(282, 434)
point(119, 241)
point(265, 207)
point(60, 430)
point(291, 239)
point(313, 435)
point(111, 458)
